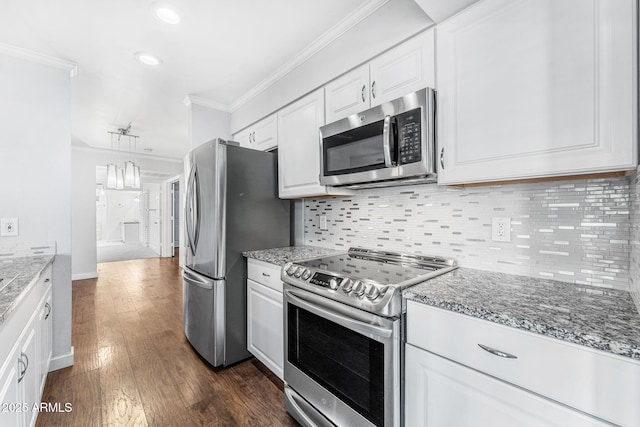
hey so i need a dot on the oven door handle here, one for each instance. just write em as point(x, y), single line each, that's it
point(352, 318)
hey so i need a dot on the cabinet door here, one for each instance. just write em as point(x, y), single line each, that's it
point(10, 391)
point(404, 69)
point(299, 147)
point(536, 88)
point(439, 392)
point(45, 323)
point(244, 137)
point(30, 382)
point(265, 134)
point(265, 326)
point(347, 95)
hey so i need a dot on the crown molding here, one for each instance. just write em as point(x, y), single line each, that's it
point(350, 21)
point(40, 58)
point(204, 102)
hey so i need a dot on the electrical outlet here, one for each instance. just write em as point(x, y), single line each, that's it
point(9, 227)
point(501, 229)
point(323, 222)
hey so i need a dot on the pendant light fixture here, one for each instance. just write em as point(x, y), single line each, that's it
point(129, 176)
point(120, 180)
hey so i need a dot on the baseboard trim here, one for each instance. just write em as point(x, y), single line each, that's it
point(82, 276)
point(62, 361)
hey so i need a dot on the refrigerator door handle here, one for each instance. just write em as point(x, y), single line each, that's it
point(198, 280)
point(196, 202)
point(191, 207)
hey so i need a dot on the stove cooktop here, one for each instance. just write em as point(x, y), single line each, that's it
point(367, 279)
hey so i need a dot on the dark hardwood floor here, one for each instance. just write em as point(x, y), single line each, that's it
point(133, 366)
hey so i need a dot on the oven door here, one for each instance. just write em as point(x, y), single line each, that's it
point(344, 362)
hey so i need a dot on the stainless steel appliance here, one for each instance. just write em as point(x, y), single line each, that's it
point(392, 141)
point(232, 205)
point(343, 322)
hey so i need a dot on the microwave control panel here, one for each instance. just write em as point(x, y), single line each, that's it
point(409, 137)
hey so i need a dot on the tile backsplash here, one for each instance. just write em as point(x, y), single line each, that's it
point(634, 269)
point(577, 231)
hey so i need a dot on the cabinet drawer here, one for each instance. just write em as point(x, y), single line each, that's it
point(598, 383)
point(46, 275)
point(264, 273)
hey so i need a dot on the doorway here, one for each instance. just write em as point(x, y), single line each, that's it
point(175, 217)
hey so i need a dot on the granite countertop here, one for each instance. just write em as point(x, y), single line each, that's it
point(604, 319)
point(280, 256)
point(26, 271)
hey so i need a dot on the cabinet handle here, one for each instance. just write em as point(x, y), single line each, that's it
point(442, 158)
point(25, 364)
point(364, 89)
point(47, 280)
point(48, 307)
point(497, 352)
point(373, 89)
point(253, 137)
point(266, 275)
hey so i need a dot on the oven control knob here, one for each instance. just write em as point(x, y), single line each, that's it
point(291, 270)
point(333, 284)
point(347, 285)
point(298, 272)
point(358, 289)
point(306, 274)
point(372, 292)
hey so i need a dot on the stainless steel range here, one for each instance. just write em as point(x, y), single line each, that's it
point(343, 320)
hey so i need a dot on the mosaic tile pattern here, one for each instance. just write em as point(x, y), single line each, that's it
point(573, 231)
point(634, 269)
point(14, 250)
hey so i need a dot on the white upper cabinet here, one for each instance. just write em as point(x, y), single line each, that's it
point(244, 137)
point(402, 70)
point(262, 135)
point(299, 148)
point(348, 94)
point(536, 88)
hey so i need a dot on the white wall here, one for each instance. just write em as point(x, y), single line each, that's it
point(35, 173)
point(206, 124)
point(83, 202)
point(121, 206)
point(393, 23)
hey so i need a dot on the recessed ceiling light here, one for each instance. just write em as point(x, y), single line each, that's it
point(147, 58)
point(167, 15)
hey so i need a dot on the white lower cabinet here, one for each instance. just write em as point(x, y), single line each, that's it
point(26, 333)
point(440, 392)
point(459, 373)
point(10, 392)
point(265, 338)
point(45, 332)
point(29, 372)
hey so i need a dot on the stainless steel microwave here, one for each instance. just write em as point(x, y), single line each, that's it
point(376, 147)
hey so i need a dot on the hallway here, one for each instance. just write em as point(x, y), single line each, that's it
point(133, 366)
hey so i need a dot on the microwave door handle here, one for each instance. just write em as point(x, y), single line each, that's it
point(386, 142)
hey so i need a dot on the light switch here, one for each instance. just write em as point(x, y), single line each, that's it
point(8, 226)
point(323, 222)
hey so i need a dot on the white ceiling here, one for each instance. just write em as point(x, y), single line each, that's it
point(220, 51)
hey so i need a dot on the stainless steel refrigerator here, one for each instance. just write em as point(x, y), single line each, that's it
point(232, 206)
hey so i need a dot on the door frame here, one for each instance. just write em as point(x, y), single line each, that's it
point(168, 220)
